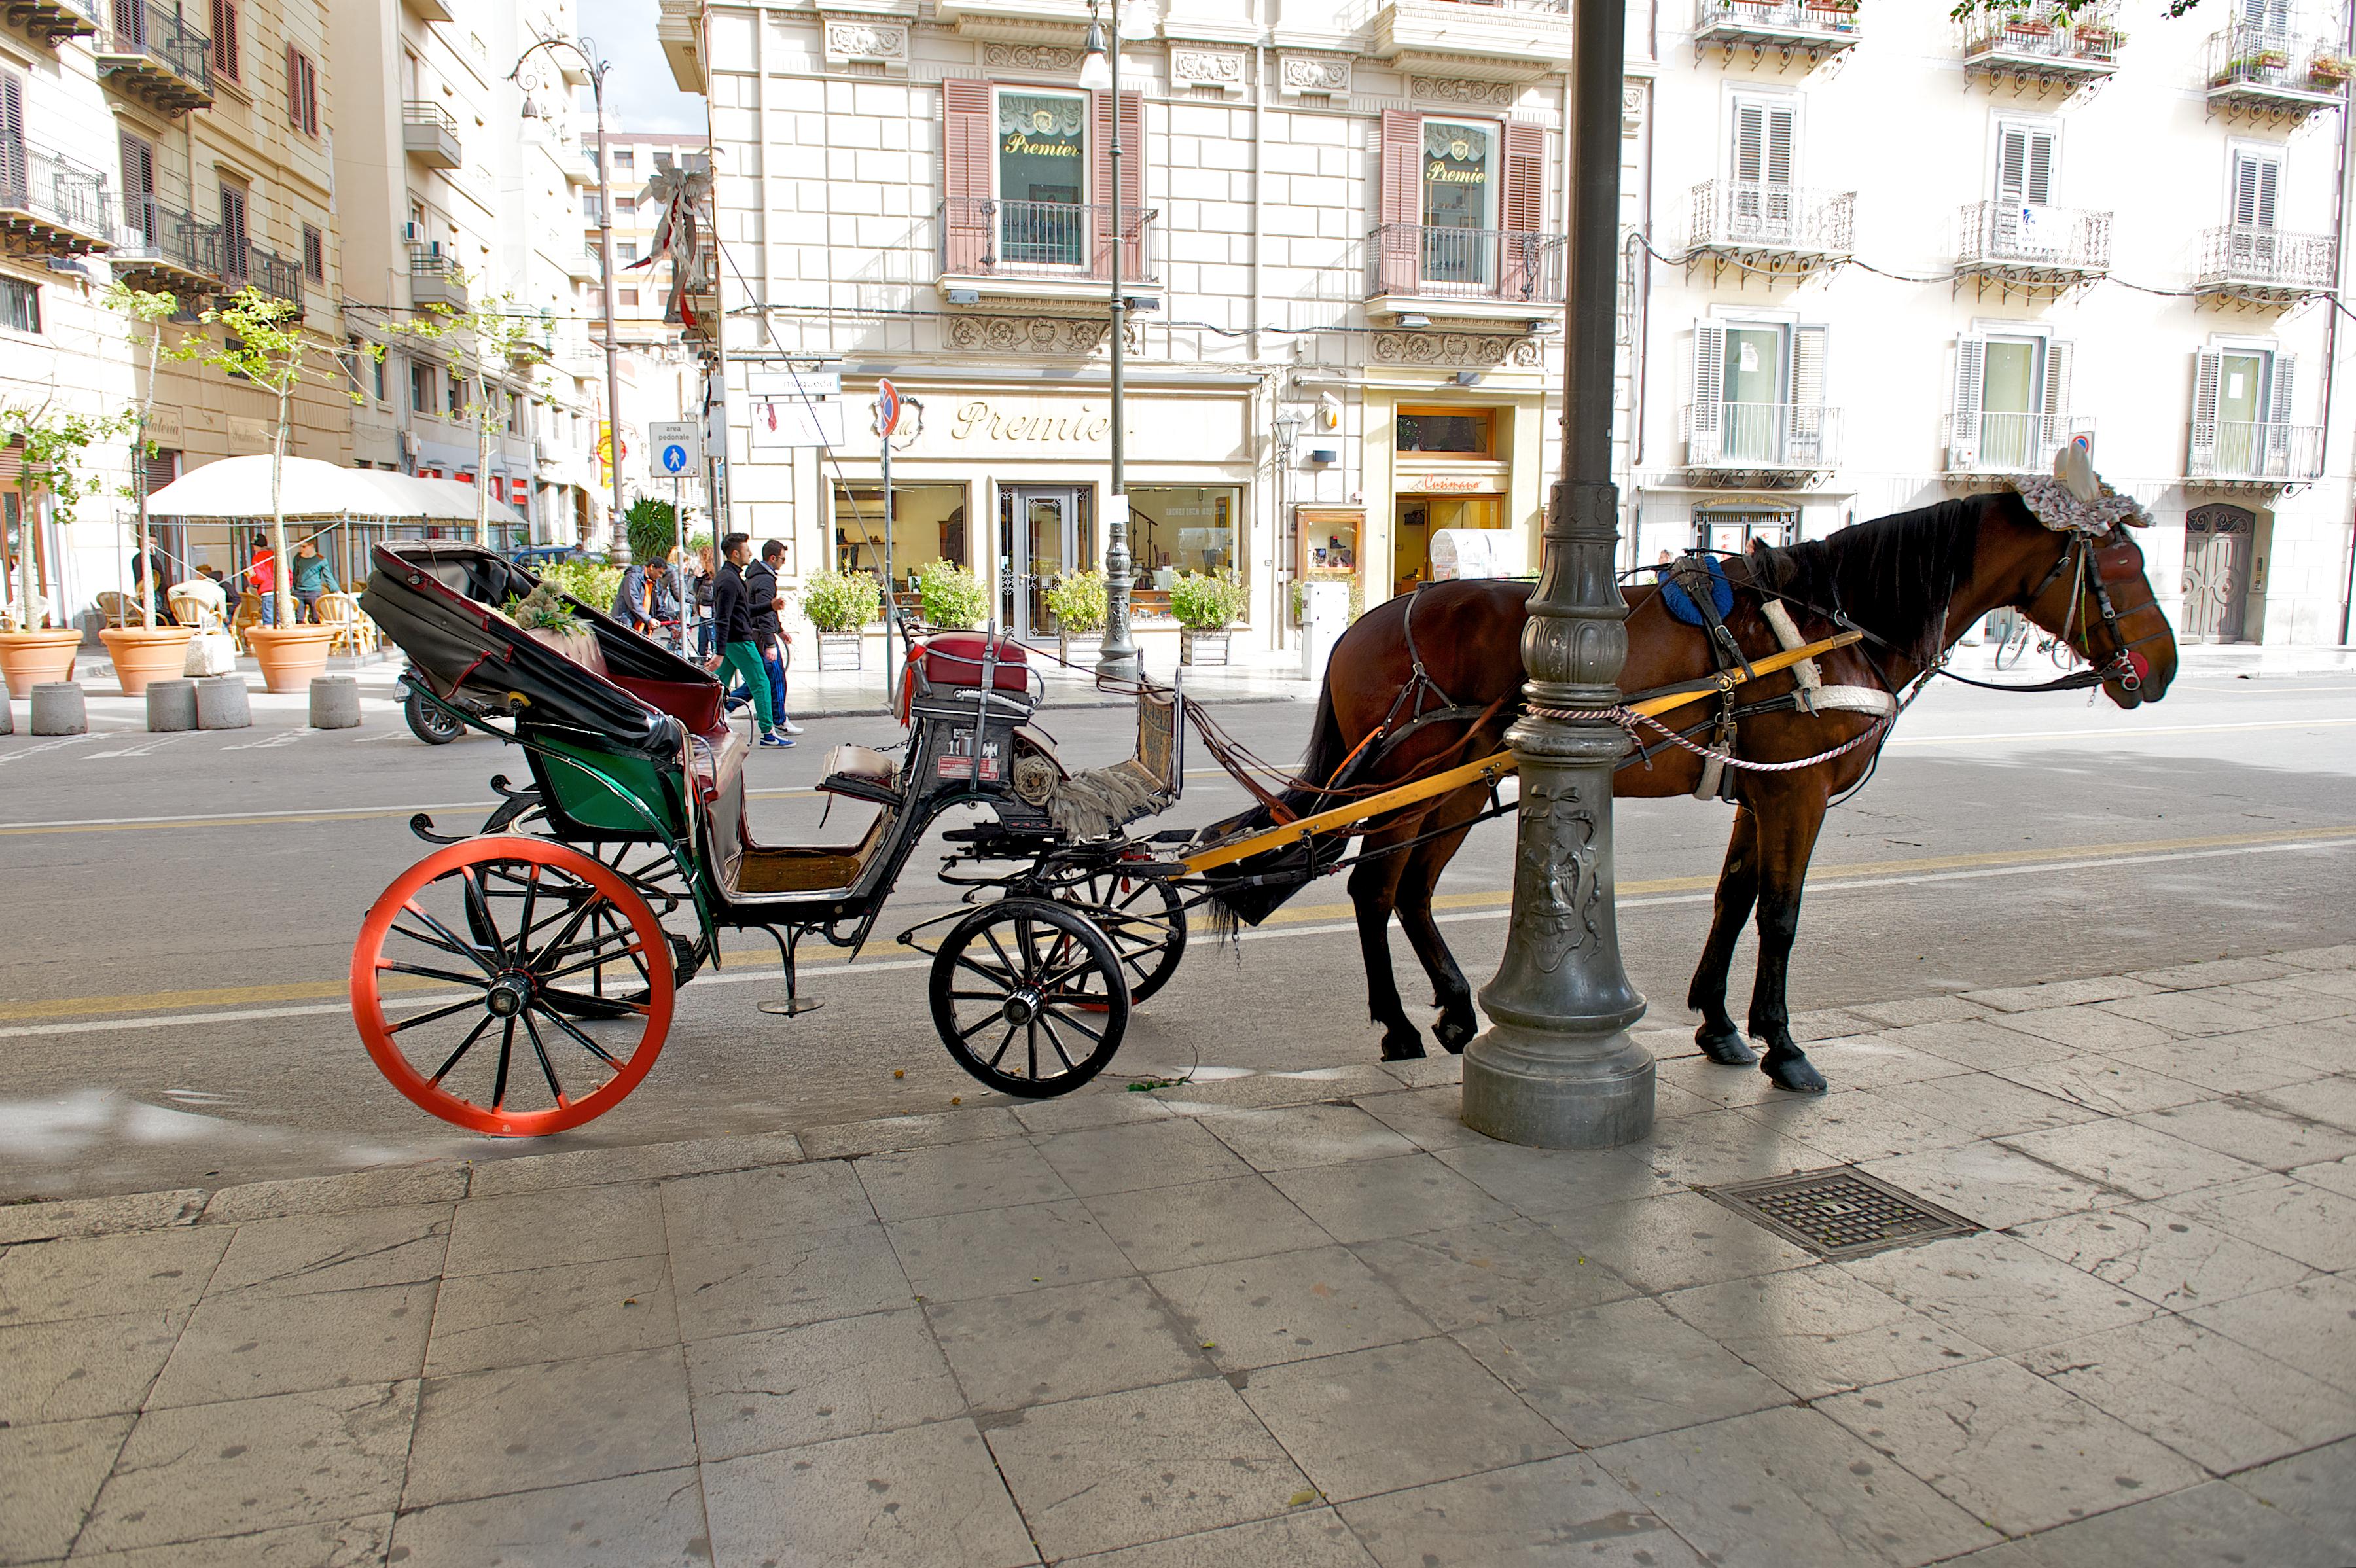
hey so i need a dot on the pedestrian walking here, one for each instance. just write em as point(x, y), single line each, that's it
point(761, 581)
point(261, 576)
point(313, 577)
point(700, 581)
point(630, 600)
point(667, 610)
point(732, 607)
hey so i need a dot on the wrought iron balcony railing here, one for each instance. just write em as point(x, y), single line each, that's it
point(1745, 21)
point(265, 271)
point(2242, 256)
point(164, 56)
point(2256, 64)
point(983, 238)
point(1755, 215)
point(2259, 451)
point(1419, 262)
point(154, 238)
point(1761, 435)
point(53, 200)
point(2084, 43)
point(2028, 236)
point(1559, 7)
point(1994, 443)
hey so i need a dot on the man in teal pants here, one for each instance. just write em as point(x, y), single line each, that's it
point(732, 613)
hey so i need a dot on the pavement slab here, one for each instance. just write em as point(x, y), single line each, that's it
point(155, 1271)
point(2210, 1526)
point(1308, 1538)
point(1368, 1200)
point(2240, 1067)
point(340, 1544)
point(550, 1425)
point(245, 1344)
point(997, 1252)
point(2161, 1254)
point(49, 1476)
point(516, 1318)
point(1068, 1342)
point(2296, 1219)
point(843, 1377)
point(336, 1251)
point(1999, 1292)
point(1473, 1274)
point(649, 1521)
point(2103, 1085)
point(1818, 1330)
point(1295, 1138)
point(1429, 1118)
point(1130, 1157)
point(1204, 1222)
point(2318, 1488)
point(2275, 1139)
point(2310, 1326)
point(2085, 1028)
point(1682, 1239)
point(1289, 1307)
point(785, 1280)
point(1553, 1181)
point(926, 1497)
point(72, 1368)
point(542, 1229)
point(2131, 1157)
point(1528, 1514)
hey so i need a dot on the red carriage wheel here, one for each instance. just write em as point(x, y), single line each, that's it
point(513, 987)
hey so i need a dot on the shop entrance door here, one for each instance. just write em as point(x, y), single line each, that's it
point(1045, 532)
point(2216, 573)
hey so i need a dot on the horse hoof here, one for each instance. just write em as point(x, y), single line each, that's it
point(1728, 1049)
point(1453, 1036)
point(1795, 1072)
point(1402, 1051)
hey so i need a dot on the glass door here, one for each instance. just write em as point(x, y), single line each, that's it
point(2240, 400)
point(1754, 395)
point(1047, 537)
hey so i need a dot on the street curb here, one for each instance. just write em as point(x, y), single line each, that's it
point(450, 1180)
point(1052, 703)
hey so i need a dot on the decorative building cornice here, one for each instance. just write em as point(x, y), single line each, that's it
point(1028, 334)
point(1457, 90)
point(1312, 75)
point(1478, 348)
point(1030, 56)
point(866, 41)
point(1198, 65)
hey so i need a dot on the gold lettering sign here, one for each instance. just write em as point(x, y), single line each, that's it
point(977, 420)
point(1438, 173)
point(1016, 141)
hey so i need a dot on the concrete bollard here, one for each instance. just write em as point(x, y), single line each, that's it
point(7, 717)
point(221, 704)
point(171, 705)
point(59, 709)
point(335, 702)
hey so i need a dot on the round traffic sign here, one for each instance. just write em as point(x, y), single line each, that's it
point(887, 406)
point(674, 458)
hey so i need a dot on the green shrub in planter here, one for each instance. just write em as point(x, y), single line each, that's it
point(1204, 601)
point(951, 596)
point(839, 601)
point(592, 582)
point(1077, 600)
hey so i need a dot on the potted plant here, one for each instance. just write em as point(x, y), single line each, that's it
point(838, 603)
point(50, 447)
point(549, 619)
point(1204, 605)
point(2330, 72)
point(146, 652)
point(950, 597)
point(1077, 600)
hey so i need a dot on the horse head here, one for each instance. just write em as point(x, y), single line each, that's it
point(2097, 598)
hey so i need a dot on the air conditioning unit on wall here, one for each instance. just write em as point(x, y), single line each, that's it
point(413, 234)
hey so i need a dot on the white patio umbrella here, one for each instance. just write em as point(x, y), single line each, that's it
point(239, 488)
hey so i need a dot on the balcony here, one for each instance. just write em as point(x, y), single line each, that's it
point(2253, 458)
point(53, 21)
point(1465, 273)
point(2243, 264)
point(430, 10)
point(165, 249)
point(152, 55)
point(435, 279)
point(1816, 30)
point(264, 271)
point(430, 134)
point(1761, 446)
point(1769, 227)
point(1994, 445)
point(1041, 250)
point(2036, 251)
point(50, 205)
point(1473, 40)
point(584, 265)
point(2259, 74)
point(2042, 47)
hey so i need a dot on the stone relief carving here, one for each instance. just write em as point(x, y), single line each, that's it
point(1030, 56)
point(1206, 68)
point(1028, 334)
point(1450, 90)
point(1459, 348)
point(1559, 869)
point(866, 42)
point(1632, 107)
point(1299, 75)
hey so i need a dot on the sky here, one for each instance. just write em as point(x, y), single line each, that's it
point(639, 90)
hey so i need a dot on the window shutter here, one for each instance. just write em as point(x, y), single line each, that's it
point(2039, 190)
point(967, 146)
point(2208, 371)
point(1705, 433)
point(1522, 213)
point(225, 37)
point(1400, 259)
point(1808, 417)
point(2278, 408)
point(294, 88)
point(1750, 141)
point(2059, 358)
point(2256, 178)
point(12, 124)
point(1971, 371)
point(138, 166)
point(2012, 166)
point(1132, 180)
point(1782, 122)
point(2278, 417)
point(130, 19)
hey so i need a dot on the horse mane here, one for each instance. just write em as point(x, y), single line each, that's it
point(1892, 575)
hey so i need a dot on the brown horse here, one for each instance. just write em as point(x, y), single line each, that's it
point(1913, 583)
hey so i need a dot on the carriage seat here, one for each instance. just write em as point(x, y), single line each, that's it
point(861, 772)
point(954, 658)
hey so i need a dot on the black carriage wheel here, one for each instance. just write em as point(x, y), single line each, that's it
point(1145, 921)
point(1030, 998)
point(428, 723)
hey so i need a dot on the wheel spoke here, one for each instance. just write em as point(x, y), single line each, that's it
point(507, 1048)
point(594, 1049)
point(1001, 1054)
point(1057, 1041)
point(597, 960)
point(438, 1013)
point(479, 913)
point(1092, 1034)
point(472, 1036)
point(1003, 980)
point(1015, 971)
point(978, 1024)
point(450, 940)
point(1032, 1030)
point(473, 980)
point(546, 1068)
point(597, 1003)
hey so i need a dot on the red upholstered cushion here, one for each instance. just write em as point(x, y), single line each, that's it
point(695, 704)
point(954, 659)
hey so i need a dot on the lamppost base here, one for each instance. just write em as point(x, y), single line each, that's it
point(1558, 1092)
point(1119, 666)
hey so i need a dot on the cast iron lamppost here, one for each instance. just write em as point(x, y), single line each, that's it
point(1556, 1067)
point(1116, 656)
point(596, 68)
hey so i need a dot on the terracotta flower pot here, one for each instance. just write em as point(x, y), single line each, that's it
point(31, 659)
point(289, 655)
point(143, 654)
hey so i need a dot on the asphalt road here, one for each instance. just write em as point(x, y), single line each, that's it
point(176, 915)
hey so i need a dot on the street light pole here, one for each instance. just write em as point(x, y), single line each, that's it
point(1116, 656)
point(596, 68)
point(1556, 1066)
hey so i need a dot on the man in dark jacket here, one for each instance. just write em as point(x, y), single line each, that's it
point(761, 581)
point(732, 612)
point(630, 601)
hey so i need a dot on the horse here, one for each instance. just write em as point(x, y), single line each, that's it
point(1433, 678)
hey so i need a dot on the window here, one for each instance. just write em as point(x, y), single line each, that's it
point(315, 254)
point(302, 91)
point(2012, 402)
point(630, 296)
point(1460, 174)
point(928, 524)
point(159, 470)
point(589, 207)
point(376, 375)
point(1758, 394)
point(623, 160)
point(139, 187)
point(1043, 177)
point(421, 388)
point(2257, 175)
point(1730, 530)
point(629, 249)
point(20, 305)
point(1761, 201)
point(1447, 432)
point(2242, 413)
point(2025, 161)
point(457, 395)
point(233, 232)
point(1185, 528)
point(225, 53)
point(1456, 195)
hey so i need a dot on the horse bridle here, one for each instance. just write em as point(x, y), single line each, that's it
point(2081, 561)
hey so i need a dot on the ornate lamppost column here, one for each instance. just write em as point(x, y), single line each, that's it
point(1556, 1067)
point(1117, 654)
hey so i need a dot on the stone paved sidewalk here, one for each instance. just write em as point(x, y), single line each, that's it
point(1281, 1320)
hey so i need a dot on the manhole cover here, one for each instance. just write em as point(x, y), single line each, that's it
point(1840, 1212)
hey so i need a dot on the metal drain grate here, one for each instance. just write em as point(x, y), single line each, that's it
point(1840, 1212)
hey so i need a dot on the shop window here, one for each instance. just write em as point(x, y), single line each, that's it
point(1447, 432)
point(928, 524)
point(1420, 517)
point(1732, 529)
point(1184, 528)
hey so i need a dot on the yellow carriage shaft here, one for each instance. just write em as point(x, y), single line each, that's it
point(1488, 770)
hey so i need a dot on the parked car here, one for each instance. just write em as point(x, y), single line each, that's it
point(539, 555)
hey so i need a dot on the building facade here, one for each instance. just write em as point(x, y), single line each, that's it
point(1875, 258)
point(661, 378)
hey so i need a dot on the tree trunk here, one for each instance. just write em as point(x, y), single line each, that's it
point(283, 589)
point(139, 480)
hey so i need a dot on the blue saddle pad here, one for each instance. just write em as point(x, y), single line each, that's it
point(1681, 603)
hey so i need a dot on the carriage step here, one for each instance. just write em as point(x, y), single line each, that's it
point(789, 1007)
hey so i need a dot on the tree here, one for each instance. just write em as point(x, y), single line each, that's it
point(151, 310)
point(652, 527)
point(263, 343)
point(52, 445)
point(486, 341)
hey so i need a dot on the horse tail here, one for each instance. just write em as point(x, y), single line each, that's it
point(1250, 889)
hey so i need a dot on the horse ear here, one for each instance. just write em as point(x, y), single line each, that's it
point(1764, 565)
